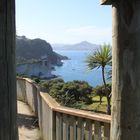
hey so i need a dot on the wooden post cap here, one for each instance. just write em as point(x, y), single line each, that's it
point(106, 2)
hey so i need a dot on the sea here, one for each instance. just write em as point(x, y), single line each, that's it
point(76, 69)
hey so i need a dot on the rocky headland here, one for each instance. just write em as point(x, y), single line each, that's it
point(35, 57)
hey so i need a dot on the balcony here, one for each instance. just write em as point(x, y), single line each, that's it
point(62, 123)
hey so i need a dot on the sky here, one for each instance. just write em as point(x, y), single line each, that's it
point(64, 21)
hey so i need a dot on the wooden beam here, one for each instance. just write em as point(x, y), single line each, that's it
point(105, 2)
point(125, 124)
point(8, 113)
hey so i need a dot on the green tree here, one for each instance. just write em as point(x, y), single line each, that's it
point(101, 58)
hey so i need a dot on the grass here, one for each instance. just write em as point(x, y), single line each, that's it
point(95, 106)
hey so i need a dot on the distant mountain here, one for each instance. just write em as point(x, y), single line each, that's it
point(84, 45)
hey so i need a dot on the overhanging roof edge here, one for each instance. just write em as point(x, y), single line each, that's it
point(105, 2)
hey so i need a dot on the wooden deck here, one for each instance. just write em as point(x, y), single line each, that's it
point(27, 123)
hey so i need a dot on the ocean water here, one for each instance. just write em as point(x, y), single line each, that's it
point(76, 69)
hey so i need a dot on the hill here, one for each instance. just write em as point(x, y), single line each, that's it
point(84, 45)
point(35, 49)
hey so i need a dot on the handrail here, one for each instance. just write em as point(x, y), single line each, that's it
point(76, 112)
point(57, 122)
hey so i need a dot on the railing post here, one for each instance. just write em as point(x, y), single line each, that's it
point(80, 129)
point(97, 130)
point(52, 125)
point(88, 130)
point(106, 131)
point(72, 122)
point(65, 127)
point(59, 127)
point(21, 89)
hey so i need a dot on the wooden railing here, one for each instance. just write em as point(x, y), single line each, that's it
point(62, 123)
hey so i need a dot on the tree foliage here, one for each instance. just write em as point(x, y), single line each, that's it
point(70, 94)
point(100, 57)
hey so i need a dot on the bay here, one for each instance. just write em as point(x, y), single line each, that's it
point(76, 69)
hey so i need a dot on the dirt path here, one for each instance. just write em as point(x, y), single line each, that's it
point(27, 123)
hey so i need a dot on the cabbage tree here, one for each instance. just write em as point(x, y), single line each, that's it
point(101, 58)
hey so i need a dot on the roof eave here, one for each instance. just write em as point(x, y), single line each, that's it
point(105, 2)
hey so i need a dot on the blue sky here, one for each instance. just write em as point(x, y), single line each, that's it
point(64, 21)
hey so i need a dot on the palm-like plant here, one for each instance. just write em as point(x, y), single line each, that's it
point(100, 59)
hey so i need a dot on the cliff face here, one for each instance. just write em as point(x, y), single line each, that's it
point(35, 69)
point(36, 57)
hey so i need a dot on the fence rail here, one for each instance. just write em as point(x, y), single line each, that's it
point(62, 123)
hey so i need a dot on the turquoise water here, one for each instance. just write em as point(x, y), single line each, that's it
point(75, 68)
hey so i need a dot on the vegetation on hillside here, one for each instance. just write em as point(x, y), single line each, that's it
point(75, 94)
point(72, 94)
